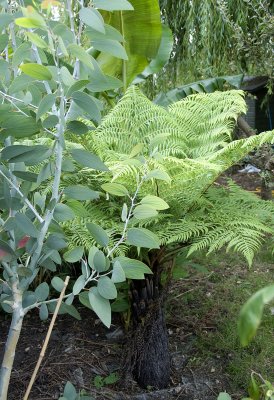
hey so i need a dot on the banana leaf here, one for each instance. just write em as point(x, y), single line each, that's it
point(204, 86)
point(162, 57)
point(142, 32)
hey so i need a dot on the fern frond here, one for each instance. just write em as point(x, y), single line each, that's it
point(191, 142)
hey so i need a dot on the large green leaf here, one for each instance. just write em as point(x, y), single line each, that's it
point(30, 155)
point(70, 391)
point(37, 40)
point(25, 225)
point(204, 86)
point(45, 105)
point(133, 269)
point(100, 82)
point(79, 192)
point(251, 313)
point(74, 255)
point(100, 306)
point(30, 22)
point(42, 291)
point(18, 126)
point(92, 18)
point(113, 5)
point(21, 82)
point(112, 47)
point(79, 284)
point(162, 56)
point(62, 212)
point(155, 202)
point(144, 211)
point(106, 288)
point(117, 189)
point(81, 54)
point(118, 274)
point(5, 19)
point(88, 104)
point(142, 237)
point(87, 159)
point(224, 396)
point(99, 234)
point(142, 31)
point(100, 263)
point(36, 71)
point(57, 283)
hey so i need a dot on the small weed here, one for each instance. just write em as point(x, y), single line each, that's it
point(100, 381)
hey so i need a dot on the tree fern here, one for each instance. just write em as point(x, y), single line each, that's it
point(190, 143)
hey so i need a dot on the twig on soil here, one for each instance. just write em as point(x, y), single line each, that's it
point(45, 345)
point(196, 279)
point(182, 294)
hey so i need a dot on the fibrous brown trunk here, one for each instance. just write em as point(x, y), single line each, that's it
point(149, 356)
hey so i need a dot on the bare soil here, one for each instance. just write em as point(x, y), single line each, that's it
point(81, 350)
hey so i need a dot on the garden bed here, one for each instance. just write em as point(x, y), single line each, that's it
point(202, 308)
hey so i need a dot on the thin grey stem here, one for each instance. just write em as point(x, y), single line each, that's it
point(72, 28)
point(12, 98)
point(46, 84)
point(56, 182)
point(7, 268)
point(129, 215)
point(26, 201)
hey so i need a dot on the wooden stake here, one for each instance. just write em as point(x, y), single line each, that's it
point(45, 345)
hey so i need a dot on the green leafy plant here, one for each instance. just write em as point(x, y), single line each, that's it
point(100, 381)
point(49, 80)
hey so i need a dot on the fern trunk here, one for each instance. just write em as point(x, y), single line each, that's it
point(150, 358)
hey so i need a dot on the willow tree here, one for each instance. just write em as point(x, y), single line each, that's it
point(220, 37)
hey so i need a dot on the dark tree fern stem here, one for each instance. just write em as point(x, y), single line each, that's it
point(149, 359)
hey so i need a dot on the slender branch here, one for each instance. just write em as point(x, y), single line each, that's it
point(57, 177)
point(27, 202)
point(38, 304)
point(12, 98)
point(124, 61)
point(129, 215)
point(12, 340)
point(92, 277)
point(39, 61)
point(76, 39)
point(7, 268)
point(245, 127)
point(80, 25)
point(71, 17)
point(14, 105)
point(45, 345)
